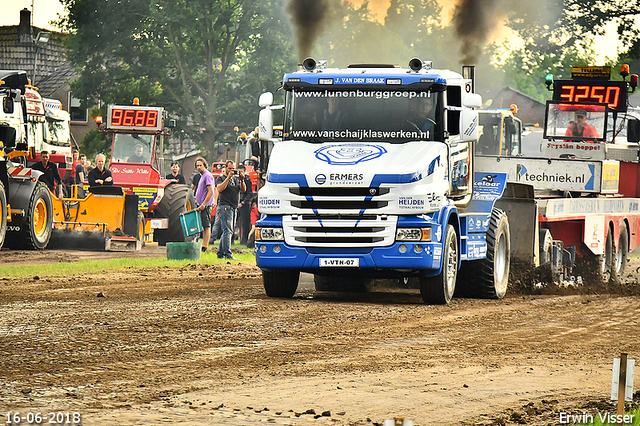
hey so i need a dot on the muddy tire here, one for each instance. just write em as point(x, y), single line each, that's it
point(177, 199)
point(280, 282)
point(35, 231)
point(620, 258)
point(439, 290)
point(3, 214)
point(493, 271)
point(488, 278)
point(546, 247)
point(140, 231)
point(604, 264)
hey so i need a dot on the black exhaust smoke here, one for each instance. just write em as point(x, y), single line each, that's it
point(309, 17)
point(474, 20)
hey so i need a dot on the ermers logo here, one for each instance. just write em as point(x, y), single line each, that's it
point(321, 179)
point(349, 154)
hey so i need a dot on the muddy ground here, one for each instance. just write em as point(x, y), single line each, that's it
point(204, 345)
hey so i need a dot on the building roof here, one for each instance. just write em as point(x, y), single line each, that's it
point(20, 51)
point(58, 79)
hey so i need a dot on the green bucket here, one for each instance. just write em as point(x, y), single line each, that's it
point(182, 251)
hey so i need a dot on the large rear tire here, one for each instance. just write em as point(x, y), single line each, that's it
point(35, 231)
point(177, 199)
point(281, 282)
point(3, 214)
point(439, 290)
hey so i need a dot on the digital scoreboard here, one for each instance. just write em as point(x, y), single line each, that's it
point(610, 93)
point(148, 119)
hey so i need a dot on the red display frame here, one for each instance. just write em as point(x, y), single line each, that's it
point(137, 118)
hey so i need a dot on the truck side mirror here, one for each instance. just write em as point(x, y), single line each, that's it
point(265, 100)
point(633, 131)
point(7, 105)
point(265, 124)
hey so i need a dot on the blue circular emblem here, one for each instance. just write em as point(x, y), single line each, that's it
point(320, 179)
point(349, 154)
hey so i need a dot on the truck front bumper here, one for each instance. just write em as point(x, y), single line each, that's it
point(400, 255)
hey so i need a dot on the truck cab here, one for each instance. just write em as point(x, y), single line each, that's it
point(374, 178)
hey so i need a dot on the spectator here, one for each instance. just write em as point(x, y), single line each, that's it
point(255, 215)
point(175, 173)
point(229, 186)
point(71, 177)
point(244, 208)
point(51, 175)
point(204, 200)
point(80, 175)
point(99, 175)
point(195, 178)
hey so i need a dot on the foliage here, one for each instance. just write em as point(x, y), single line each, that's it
point(192, 57)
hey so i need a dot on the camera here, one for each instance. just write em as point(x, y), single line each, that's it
point(236, 172)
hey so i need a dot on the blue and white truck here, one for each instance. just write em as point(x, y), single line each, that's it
point(373, 177)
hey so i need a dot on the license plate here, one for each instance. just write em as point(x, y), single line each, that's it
point(340, 262)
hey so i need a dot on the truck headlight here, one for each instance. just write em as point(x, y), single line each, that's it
point(269, 234)
point(413, 234)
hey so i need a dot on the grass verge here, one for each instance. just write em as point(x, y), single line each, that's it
point(61, 269)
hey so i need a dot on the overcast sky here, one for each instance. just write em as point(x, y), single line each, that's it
point(44, 12)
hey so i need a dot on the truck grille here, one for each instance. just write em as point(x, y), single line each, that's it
point(339, 205)
point(339, 230)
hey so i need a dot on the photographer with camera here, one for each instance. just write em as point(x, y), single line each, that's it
point(229, 186)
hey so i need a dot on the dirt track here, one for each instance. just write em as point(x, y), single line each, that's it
point(204, 345)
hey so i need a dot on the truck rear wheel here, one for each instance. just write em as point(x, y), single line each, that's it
point(439, 290)
point(35, 231)
point(3, 214)
point(488, 278)
point(280, 282)
point(604, 265)
point(493, 271)
point(177, 200)
point(620, 258)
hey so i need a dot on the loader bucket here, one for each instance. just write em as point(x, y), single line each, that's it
point(104, 219)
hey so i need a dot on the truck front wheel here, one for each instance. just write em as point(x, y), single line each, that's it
point(280, 282)
point(439, 290)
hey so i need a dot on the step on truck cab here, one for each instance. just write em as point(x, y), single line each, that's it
point(373, 177)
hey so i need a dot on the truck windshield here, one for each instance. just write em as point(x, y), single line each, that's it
point(56, 132)
point(132, 148)
point(363, 115)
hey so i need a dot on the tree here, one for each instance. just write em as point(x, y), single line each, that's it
point(193, 57)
